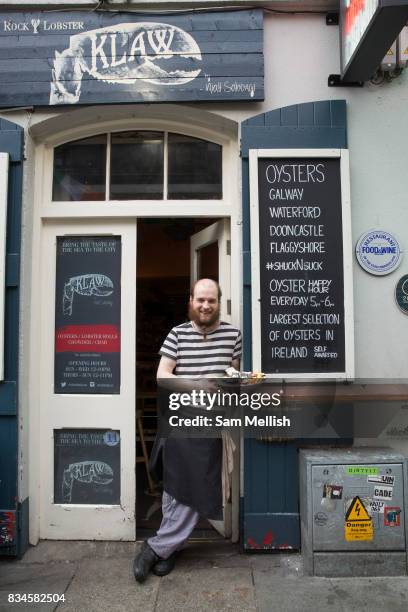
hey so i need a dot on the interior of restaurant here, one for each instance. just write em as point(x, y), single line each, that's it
point(163, 286)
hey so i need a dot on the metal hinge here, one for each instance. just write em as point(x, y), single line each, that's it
point(228, 247)
point(229, 307)
point(335, 80)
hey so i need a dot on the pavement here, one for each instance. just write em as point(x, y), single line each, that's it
point(209, 576)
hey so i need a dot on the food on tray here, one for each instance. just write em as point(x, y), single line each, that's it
point(258, 375)
point(247, 377)
point(232, 372)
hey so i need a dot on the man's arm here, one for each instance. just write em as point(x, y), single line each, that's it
point(166, 377)
point(166, 367)
point(236, 363)
point(236, 354)
point(166, 370)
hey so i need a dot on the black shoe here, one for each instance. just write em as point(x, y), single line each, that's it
point(165, 566)
point(144, 562)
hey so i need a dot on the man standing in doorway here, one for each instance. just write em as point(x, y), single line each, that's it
point(204, 346)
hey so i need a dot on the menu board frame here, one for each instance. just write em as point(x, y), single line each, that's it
point(342, 155)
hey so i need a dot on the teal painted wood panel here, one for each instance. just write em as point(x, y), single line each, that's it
point(11, 141)
point(270, 504)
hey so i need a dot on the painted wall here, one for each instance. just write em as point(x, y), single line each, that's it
point(300, 53)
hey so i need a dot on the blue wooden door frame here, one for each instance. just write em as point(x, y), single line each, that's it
point(13, 513)
point(270, 502)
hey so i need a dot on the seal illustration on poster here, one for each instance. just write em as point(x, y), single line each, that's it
point(153, 52)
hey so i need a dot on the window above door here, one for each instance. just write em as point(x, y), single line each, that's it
point(137, 165)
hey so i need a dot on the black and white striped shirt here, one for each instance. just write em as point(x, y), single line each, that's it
point(197, 354)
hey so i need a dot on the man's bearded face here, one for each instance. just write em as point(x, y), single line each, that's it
point(204, 306)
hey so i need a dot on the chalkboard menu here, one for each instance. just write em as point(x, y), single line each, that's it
point(301, 269)
point(86, 466)
point(87, 315)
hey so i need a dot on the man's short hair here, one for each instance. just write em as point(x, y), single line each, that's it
point(210, 279)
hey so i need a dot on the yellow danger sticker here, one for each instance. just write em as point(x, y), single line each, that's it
point(357, 511)
point(358, 530)
point(359, 524)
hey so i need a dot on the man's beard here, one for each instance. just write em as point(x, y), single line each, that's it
point(194, 315)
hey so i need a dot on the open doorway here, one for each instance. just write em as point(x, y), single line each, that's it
point(165, 268)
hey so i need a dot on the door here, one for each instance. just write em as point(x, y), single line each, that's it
point(87, 380)
point(210, 257)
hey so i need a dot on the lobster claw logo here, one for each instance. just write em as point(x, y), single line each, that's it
point(35, 23)
point(127, 53)
point(86, 284)
point(97, 472)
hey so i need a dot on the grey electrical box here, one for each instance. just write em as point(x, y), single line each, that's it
point(352, 511)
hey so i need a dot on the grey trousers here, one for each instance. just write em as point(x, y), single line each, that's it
point(177, 524)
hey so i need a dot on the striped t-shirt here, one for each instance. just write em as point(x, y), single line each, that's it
point(197, 354)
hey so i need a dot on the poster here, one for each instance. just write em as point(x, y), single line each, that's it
point(86, 466)
point(87, 315)
point(301, 265)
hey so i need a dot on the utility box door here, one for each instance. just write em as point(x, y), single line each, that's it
point(379, 487)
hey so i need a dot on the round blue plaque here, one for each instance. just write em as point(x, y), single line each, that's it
point(378, 252)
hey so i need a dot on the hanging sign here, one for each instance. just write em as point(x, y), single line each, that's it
point(87, 314)
point(401, 293)
point(378, 252)
point(300, 245)
point(53, 58)
point(368, 29)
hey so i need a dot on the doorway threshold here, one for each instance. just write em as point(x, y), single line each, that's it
point(198, 535)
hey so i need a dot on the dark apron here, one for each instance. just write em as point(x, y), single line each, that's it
point(191, 472)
